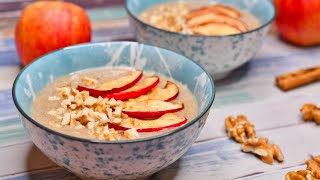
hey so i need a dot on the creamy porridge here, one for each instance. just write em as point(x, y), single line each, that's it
point(199, 18)
point(114, 104)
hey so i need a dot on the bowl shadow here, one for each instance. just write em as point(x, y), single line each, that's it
point(40, 167)
point(235, 75)
point(172, 173)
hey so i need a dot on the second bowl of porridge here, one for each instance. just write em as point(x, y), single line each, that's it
point(219, 34)
point(118, 110)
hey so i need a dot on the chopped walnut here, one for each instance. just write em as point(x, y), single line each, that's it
point(239, 128)
point(135, 123)
point(112, 135)
point(109, 113)
point(262, 148)
point(91, 125)
point(312, 171)
point(78, 99)
point(311, 112)
point(64, 91)
point(104, 119)
point(80, 110)
point(89, 81)
point(73, 122)
point(73, 106)
point(131, 134)
point(66, 119)
point(79, 126)
point(113, 103)
point(124, 116)
point(101, 131)
point(116, 120)
point(117, 112)
point(313, 165)
point(67, 102)
point(170, 19)
point(90, 101)
point(74, 91)
point(300, 175)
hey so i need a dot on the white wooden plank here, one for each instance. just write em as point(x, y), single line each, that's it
point(255, 81)
point(272, 113)
point(273, 46)
point(278, 174)
point(47, 174)
point(22, 157)
point(7, 76)
point(222, 158)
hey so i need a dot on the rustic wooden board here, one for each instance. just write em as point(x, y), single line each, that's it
point(222, 158)
point(278, 174)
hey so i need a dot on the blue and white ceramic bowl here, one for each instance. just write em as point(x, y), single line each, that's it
point(218, 54)
point(96, 159)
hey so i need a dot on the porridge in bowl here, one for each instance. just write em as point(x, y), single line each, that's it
point(199, 18)
point(114, 104)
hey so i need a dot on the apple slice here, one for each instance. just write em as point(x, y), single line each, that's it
point(135, 91)
point(218, 9)
point(168, 93)
point(166, 121)
point(225, 10)
point(150, 108)
point(215, 29)
point(217, 14)
point(196, 13)
point(114, 86)
point(208, 16)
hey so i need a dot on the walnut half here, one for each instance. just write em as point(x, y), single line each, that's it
point(262, 148)
point(300, 175)
point(312, 171)
point(239, 128)
point(311, 112)
point(313, 165)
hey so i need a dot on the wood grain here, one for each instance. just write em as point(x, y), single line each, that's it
point(222, 158)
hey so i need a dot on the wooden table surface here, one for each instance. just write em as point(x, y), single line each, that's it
point(248, 90)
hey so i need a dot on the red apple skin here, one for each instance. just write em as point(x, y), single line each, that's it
point(120, 128)
point(150, 115)
point(128, 94)
point(122, 87)
point(152, 128)
point(168, 93)
point(144, 110)
point(45, 26)
point(298, 21)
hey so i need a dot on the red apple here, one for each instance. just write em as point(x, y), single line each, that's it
point(135, 91)
point(150, 108)
point(45, 26)
point(166, 121)
point(114, 86)
point(168, 93)
point(298, 21)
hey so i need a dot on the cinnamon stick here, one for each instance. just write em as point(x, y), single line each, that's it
point(298, 78)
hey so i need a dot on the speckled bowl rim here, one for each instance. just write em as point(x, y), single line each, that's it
point(199, 116)
point(197, 35)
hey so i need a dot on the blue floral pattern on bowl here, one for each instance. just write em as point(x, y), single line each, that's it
point(218, 54)
point(94, 159)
